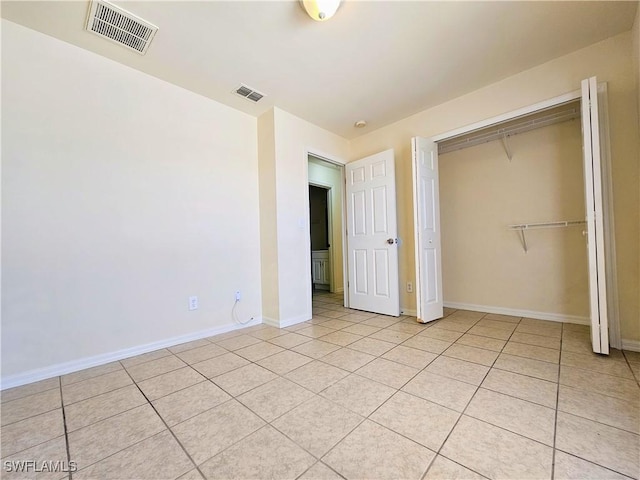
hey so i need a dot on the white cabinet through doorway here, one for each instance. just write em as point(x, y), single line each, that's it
point(320, 269)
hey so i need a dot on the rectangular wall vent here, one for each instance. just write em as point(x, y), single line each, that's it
point(248, 93)
point(120, 26)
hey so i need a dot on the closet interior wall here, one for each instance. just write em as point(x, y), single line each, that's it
point(482, 192)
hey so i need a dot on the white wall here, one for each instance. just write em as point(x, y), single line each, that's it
point(610, 61)
point(121, 196)
point(268, 217)
point(293, 140)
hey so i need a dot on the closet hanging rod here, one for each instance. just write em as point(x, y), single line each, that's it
point(521, 228)
point(561, 224)
point(481, 137)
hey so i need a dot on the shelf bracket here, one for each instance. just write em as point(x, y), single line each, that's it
point(523, 239)
point(507, 147)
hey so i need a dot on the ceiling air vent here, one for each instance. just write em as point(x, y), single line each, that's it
point(248, 93)
point(120, 26)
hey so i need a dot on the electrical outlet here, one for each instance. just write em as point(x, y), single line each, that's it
point(193, 303)
point(238, 295)
point(410, 287)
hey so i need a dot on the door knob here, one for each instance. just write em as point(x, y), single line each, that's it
point(390, 241)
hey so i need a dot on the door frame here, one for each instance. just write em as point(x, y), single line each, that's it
point(611, 274)
point(340, 164)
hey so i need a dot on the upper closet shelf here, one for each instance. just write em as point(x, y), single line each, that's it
point(502, 131)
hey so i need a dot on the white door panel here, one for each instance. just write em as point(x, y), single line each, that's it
point(594, 217)
point(371, 222)
point(429, 300)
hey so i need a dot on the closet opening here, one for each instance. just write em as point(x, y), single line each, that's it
point(514, 216)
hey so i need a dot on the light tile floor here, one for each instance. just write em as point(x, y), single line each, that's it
point(345, 395)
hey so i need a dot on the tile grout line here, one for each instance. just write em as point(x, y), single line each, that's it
point(93, 376)
point(555, 420)
point(168, 428)
point(318, 461)
point(603, 373)
point(122, 386)
point(599, 423)
point(30, 416)
point(629, 366)
point(462, 414)
point(106, 418)
point(598, 465)
point(64, 423)
point(556, 423)
point(629, 362)
point(4, 403)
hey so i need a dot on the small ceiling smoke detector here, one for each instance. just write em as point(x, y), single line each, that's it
point(360, 124)
point(119, 26)
point(248, 93)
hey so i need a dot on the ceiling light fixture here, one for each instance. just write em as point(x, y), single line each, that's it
point(321, 10)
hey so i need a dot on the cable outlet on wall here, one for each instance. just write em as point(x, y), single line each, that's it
point(193, 302)
point(238, 295)
point(410, 287)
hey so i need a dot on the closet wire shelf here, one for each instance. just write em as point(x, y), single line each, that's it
point(521, 228)
point(557, 115)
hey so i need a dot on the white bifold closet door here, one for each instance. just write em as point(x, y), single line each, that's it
point(426, 214)
point(372, 234)
point(594, 216)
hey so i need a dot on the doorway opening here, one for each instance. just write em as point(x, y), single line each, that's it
point(319, 230)
point(326, 204)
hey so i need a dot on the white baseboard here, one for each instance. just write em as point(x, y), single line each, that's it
point(554, 317)
point(271, 322)
point(408, 311)
point(38, 374)
point(287, 322)
point(631, 345)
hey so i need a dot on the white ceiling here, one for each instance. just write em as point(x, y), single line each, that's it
point(375, 60)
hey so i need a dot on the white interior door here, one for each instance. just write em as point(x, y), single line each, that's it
point(426, 207)
point(372, 243)
point(594, 216)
